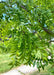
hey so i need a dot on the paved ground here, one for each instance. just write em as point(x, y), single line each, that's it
point(22, 70)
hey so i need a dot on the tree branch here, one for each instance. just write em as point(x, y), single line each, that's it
point(45, 29)
point(51, 41)
point(23, 8)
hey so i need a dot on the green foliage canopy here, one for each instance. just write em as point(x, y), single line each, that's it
point(26, 29)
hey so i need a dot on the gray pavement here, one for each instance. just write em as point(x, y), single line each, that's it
point(22, 70)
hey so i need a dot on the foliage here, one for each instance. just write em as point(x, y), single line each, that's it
point(26, 29)
point(46, 71)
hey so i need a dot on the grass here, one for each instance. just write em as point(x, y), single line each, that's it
point(4, 62)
